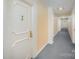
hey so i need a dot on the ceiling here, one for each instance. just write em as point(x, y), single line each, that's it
point(66, 5)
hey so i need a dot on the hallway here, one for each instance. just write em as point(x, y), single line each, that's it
point(31, 25)
point(62, 48)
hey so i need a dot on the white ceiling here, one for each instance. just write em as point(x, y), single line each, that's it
point(67, 6)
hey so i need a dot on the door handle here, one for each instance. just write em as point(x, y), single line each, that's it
point(30, 34)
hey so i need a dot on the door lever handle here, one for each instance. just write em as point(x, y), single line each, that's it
point(30, 34)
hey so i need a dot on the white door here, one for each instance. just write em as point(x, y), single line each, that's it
point(22, 40)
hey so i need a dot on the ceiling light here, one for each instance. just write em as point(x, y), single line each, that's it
point(60, 8)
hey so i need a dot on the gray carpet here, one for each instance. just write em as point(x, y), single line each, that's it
point(62, 48)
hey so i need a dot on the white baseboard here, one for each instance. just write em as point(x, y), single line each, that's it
point(50, 39)
point(39, 51)
point(57, 32)
point(73, 41)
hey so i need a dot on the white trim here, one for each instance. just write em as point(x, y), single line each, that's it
point(51, 39)
point(21, 3)
point(73, 41)
point(17, 33)
point(40, 50)
point(19, 41)
point(34, 28)
point(50, 23)
point(57, 32)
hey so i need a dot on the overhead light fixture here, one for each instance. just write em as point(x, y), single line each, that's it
point(60, 8)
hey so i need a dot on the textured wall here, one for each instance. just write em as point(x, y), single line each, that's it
point(42, 25)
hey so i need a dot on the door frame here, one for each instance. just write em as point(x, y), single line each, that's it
point(50, 23)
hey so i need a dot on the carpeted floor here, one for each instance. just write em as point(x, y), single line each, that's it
point(62, 48)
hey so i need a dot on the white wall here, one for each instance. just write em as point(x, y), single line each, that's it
point(7, 29)
point(50, 24)
point(73, 26)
